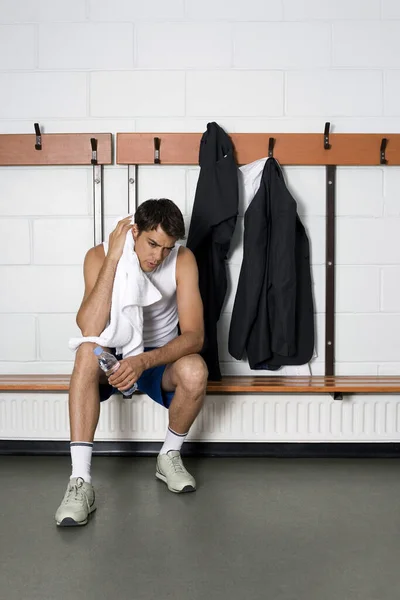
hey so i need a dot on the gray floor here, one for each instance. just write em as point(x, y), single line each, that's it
point(270, 529)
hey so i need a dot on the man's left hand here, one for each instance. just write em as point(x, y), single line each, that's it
point(128, 373)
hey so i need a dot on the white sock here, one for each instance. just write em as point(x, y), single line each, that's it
point(81, 455)
point(173, 441)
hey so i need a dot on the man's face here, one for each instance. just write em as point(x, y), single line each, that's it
point(152, 247)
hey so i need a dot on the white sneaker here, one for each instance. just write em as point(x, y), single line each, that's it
point(77, 504)
point(170, 469)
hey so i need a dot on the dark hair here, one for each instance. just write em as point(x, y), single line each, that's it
point(163, 212)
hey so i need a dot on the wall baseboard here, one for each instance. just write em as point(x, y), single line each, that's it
point(210, 449)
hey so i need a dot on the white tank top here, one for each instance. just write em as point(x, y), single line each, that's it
point(160, 320)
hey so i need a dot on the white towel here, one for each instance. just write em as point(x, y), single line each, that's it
point(132, 290)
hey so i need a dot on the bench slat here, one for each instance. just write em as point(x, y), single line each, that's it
point(237, 384)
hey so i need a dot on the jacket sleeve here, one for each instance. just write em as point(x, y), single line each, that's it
point(251, 277)
point(282, 289)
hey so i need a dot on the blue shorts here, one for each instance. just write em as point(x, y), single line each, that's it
point(149, 383)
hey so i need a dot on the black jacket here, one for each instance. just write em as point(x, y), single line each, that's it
point(211, 228)
point(272, 317)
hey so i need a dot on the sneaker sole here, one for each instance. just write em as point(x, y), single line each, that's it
point(187, 488)
point(70, 522)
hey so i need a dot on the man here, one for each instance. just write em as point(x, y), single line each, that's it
point(170, 370)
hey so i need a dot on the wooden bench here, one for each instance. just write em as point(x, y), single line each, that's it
point(335, 385)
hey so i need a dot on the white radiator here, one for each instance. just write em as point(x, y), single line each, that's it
point(225, 418)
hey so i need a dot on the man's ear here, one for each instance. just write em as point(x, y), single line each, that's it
point(135, 231)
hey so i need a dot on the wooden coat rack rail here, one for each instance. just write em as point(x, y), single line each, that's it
point(340, 149)
point(55, 149)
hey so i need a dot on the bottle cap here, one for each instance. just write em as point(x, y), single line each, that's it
point(98, 351)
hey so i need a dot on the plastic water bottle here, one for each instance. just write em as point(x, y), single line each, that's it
point(109, 364)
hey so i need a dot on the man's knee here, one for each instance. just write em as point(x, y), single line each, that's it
point(191, 372)
point(85, 359)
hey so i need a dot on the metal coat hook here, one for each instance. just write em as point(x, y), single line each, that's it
point(383, 151)
point(157, 143)
point(93, 142)
point(38, 144)
point(327, 145)
point(271, 145)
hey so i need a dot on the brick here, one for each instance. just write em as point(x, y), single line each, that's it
point(86, 46)
point(359, 192)
point(59, 10)
point(23, 11)
point(391, 93)
point(357, 289)
point(54, 333)
point(17, 47)
point(307, 186)
point(19, 337)
point(50, 95)
point(318, 279)
point(234, 93)
point(368, 241)
point(310, 124)
point(163, 182)
point(87, 125)
point(14, 242)
point(138, 93)
point(192, 180)
point(50, 191)
point(319, 341)
point(307, 10)
point(116, 190)
point(61, 241)
point(390, 9)
point(183, 45)
point(368, 44)
point(39, 289)
point(391, 192)
point(354, 368)
point(134, 10)
point(315, 228)
point(336, 93)
point(31, 11)
point(367, 338)
point(301, 45)
point(389, 369)
point(390, 289)
point(235, 10)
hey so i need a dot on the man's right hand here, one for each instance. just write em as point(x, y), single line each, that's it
point(116, 241)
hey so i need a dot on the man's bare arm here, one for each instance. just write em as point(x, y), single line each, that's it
point(99, 273)
point(190, 312)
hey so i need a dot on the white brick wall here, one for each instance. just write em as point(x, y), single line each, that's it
point(85, 46)
point(17, 47)
point(334, 93)
point(183, 45)
point(233, 93)
point(139, 93)
point(301, 45)
point(42, 95)
point(261, 66)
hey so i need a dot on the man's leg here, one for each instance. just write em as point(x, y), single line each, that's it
point(188, 378)
point(84, 411)
point(84, 401)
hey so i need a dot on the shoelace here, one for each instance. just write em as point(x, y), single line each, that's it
point(77, 492)
point(177, 464)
